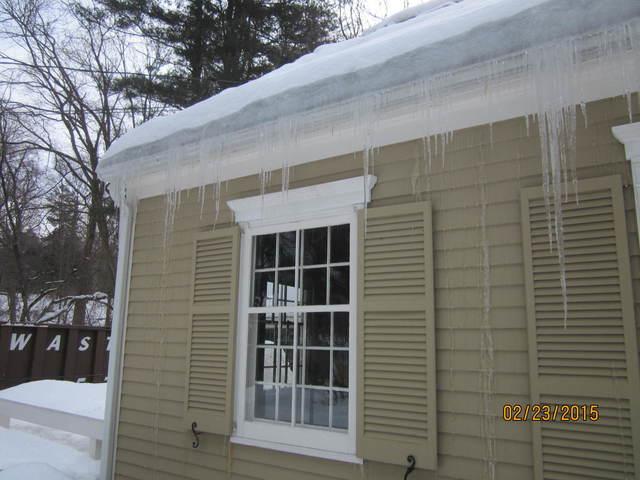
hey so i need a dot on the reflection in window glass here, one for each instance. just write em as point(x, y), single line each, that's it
point(339, 243)
point(314, 286)
point(298, 359)
point(341, 369)
point(265, 251)
point(285, 372)
point(318, 329)
point(265, 402)
point(315, 246)
point(286, 249)
point(267, 329)
point(266, 364)
point(263, 289)
point(339, 286)
point(341, 329)
point(286, 287)
point(340, 410)
point(286, 329)
point(317, 368)
point(316, 407)
point(284, 404)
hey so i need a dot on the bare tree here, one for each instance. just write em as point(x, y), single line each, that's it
point(65, 60)
point(20, 214)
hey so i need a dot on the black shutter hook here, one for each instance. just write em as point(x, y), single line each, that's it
point(196, 435)
point(412, 465)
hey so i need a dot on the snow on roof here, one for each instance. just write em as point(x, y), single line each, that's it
point(415, 44)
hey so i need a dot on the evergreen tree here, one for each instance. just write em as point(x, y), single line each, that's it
point(221, 43)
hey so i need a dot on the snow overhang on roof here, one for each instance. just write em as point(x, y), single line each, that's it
point(441, 64)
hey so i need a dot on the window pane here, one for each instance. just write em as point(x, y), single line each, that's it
point(286, 329)
point(284, 405)
point(339, 285)
point(317, 367)
point(267, 329)
point(287, 249)
point(265, 251)
point(265, 402)
point(318, 329)
point(315, 246)
point(341, 369)
point(340, 329)
point(286, 366)
point(314, 286)
point(265, 365)
point(340, 410)
point(263, 289)
point(316, 407)
point(340, 243)
point(286, 287)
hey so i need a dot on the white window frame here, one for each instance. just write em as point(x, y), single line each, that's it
point(304, 440)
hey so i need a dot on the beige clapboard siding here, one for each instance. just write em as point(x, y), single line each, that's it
point(510, 164)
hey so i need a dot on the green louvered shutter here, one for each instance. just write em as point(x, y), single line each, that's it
point(210, 354)
point(594, 360)
point(396, 336)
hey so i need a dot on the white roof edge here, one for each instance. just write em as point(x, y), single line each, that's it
point(514, 99)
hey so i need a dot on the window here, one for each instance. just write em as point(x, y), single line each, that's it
point(297, 312)
point(296, 333)
point(299, 359)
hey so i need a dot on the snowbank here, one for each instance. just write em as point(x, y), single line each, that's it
point(26, 456)
point(426, 43)
point(87, 399)
point(32, 471)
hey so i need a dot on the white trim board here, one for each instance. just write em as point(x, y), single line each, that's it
point(305, 202)
point(629, 136)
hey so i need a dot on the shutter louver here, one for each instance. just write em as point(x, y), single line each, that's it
point(594, 360)
point(396, 336)
point(209, 389)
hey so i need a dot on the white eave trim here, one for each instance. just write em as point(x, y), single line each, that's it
point(629, 136)
point(305, 202)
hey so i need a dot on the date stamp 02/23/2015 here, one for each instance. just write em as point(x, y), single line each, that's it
point(541, 412)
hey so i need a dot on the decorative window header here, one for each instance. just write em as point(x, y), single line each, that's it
point(306, 202)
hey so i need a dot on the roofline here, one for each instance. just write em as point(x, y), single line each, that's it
point(400, 119)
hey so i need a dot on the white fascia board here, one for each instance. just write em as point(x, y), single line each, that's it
point(629, 136)
point(304, 202)
point(515, 98)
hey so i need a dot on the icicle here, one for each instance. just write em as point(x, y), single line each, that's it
point(487, 348)
point(583, 111)
point(415, 178)
point(201, 198)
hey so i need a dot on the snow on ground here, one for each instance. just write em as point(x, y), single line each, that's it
point(30, 451)
point(34, 470)
point(86, 399)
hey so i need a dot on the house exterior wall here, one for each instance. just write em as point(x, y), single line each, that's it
point(152, 441)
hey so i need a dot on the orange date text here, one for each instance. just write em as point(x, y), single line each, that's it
point(541, 412)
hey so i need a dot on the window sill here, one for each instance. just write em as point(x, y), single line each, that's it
point(282, 447)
